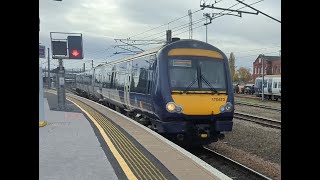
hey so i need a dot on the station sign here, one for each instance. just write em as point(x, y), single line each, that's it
point(42, 51)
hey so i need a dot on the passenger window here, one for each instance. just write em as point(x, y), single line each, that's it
point(139, 81)
point(275, 85)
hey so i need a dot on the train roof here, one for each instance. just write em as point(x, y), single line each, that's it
point(269, 76)
point(84, 73)
point(150, 51)
point(278, 75)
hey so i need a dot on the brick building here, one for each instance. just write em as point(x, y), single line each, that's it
point(272, 65)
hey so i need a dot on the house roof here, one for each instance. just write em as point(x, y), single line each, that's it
point(271, 58)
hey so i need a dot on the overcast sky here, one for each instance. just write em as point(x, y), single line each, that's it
point(100, 21)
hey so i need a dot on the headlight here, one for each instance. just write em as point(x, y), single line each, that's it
point(228, 106)
point(222, 108)
point(178, 109)
point(172, 107)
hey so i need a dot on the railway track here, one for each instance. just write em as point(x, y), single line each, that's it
point(260, 120)
point(246, 96)
point(231, 168)
point(252, 97)
point(258, 105)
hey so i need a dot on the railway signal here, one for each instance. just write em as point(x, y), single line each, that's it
point(65, 48)
point(75, 47)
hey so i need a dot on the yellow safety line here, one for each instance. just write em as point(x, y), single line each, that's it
point(114, 151)
point(126, 147)
point(151, 166)
point(122, 141)
point(119, 140)
point(42, 123)
point(130, 160)
point(124, 151)
point(125, 140)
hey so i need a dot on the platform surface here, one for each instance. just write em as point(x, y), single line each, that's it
point(74, 145)
point(69, 149)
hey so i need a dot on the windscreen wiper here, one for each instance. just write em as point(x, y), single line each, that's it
point(209, 84)
point(190, 85)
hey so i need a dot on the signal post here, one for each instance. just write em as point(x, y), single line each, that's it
point(67, 48)
point(61, 93)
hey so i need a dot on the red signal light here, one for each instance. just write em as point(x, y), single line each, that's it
point(75, 52)
point(75, 47)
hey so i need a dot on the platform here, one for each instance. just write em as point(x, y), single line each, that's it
point(69, 149)
point(92, 141)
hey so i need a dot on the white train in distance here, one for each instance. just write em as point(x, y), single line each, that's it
point(272, 87)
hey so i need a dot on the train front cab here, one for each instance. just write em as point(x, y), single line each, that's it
point(194, 94)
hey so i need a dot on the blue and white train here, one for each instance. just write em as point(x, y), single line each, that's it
point(182, 90)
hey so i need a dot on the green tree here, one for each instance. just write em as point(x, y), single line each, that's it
point(236, 77)
point(232, 67)
point(244, 74)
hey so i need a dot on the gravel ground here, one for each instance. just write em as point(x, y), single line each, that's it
point(254, 162)
point(255, 146)
point(257, 101)
point(268, 113)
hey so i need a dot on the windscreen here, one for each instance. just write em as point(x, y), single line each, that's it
point(193, 72)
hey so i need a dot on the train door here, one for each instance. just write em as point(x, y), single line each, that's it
point(113, 83)
point(150, 79)
point(97, 88)
point(102, 80)
point(276, 86)
point(81, 82)
point(270, 86)
point(127, 82)
point(279, 86)
point(95, 82)
point(258, 86)
point(265, 86)
point(87, 81)
point(92, 82)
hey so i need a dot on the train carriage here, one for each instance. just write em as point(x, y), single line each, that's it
point(272, 87)
point(83, 83)
point(182, 90)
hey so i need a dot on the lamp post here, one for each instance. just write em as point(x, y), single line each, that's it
point(262, 60)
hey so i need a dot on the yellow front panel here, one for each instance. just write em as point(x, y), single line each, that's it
point(200, 104)
point(194, 52)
